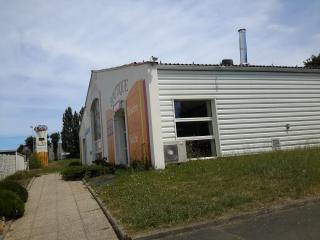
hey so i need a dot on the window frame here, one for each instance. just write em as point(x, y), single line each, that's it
point(213, 119)
point(198, 119)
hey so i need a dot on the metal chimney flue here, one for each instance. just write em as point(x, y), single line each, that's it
point(243, 46)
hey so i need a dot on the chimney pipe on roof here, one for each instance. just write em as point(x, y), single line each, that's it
point(243, 46)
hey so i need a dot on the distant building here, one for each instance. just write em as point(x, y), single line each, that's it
point(60, 153)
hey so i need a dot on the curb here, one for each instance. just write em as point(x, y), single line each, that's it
point(121, 234)
point(30, 183)
point(224, 220)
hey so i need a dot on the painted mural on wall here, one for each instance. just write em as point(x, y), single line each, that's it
point(110, 136)
point(137, 121)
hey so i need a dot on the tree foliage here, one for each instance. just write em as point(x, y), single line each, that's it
point(313, 61)
point(20, 149)
point(81, 112)
point(70, 132)
point(30, 142)
point(75, 134)
point(55, 137)
point(66, 133)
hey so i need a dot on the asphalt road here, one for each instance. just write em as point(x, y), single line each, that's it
point(295, 223)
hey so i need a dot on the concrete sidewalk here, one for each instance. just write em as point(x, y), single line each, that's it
point(60, 210)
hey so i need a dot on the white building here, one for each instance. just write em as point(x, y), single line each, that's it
point(174, 112)
point(60, 153)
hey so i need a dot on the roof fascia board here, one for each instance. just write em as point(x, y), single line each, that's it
point(236, 68)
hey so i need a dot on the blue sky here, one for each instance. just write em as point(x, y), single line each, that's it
point(47, 48)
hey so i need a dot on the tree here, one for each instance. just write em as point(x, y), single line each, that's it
point(70, 132)
point(81, 112)
point(67, 133)
point(55, 137)
point(75, 134)
point(30, 142)
point(313, 61)
point(20, 149)
point(48, 141)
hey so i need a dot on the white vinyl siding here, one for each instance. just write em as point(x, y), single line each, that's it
point(252, 107)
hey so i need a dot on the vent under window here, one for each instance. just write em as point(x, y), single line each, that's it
point(276, 144)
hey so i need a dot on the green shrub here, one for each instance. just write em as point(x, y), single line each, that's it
point(11, 206)
point(96, 170)
point(72, 164)
point(73, 173)
point(21, 175)
point(101, 161)
point(140, 165)
point(16, 188)
point(34, 161)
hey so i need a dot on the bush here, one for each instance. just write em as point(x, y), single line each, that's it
point(11, 206)
point(16, 188)
point(140, 165)
point(73, 173)
point(72, 164)
point(34, 161)
point(21, 175)
point(94, 171)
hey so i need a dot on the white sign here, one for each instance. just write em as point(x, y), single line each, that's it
point(41, 138)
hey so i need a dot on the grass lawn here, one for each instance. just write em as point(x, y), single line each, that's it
point(24, 177)
point(207, 189)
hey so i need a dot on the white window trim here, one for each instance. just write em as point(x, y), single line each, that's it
point(200, 119)
point(203, 158)
point(191, 138)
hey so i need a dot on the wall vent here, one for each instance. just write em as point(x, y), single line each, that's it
point(276, 144)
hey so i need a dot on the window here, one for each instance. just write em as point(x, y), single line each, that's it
point(198, 128)
point(193, 119)
point(192, 109)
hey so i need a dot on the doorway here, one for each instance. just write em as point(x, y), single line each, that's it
point(121, 137)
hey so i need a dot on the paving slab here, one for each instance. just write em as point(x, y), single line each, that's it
point(60, 210)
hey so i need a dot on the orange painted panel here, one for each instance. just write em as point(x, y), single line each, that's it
point(43, 156)
point(137, 121)
point(110, 136)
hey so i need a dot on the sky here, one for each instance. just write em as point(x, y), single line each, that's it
point(48, 48)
